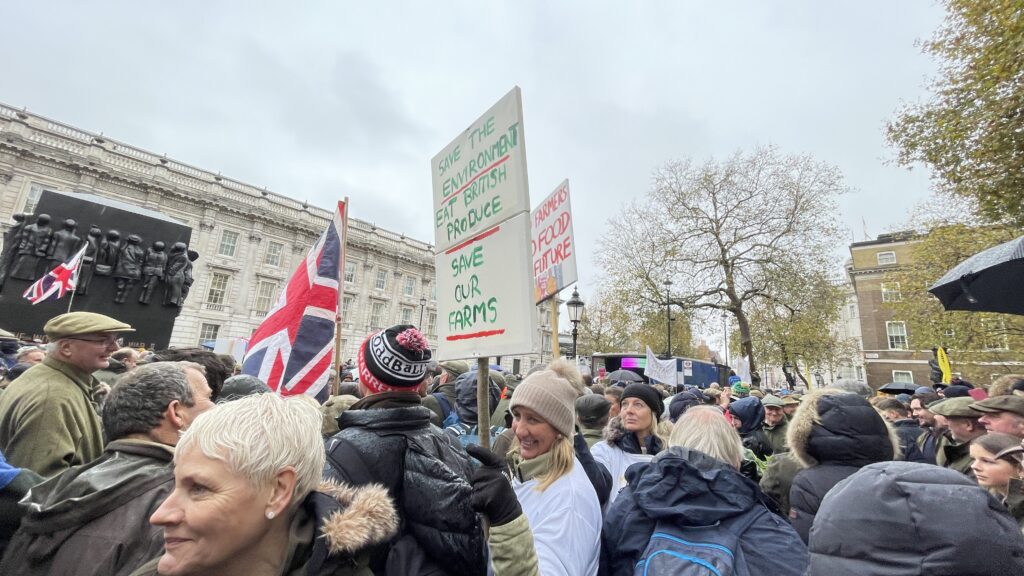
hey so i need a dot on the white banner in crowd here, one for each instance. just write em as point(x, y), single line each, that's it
point(663, 371)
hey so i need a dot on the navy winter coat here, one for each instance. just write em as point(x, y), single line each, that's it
point(689, 488)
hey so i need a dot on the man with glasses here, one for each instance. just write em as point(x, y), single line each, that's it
point(48, 421)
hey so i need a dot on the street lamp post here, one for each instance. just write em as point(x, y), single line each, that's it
point(423, 305)
point(668, 316)
point(575, 307)
point(725, 335)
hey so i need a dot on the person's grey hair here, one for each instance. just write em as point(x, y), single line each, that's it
point(258, 436)
point(138, 401)
point(123, 353)
point(25, 350)
point(853, 387)
point(705, 429)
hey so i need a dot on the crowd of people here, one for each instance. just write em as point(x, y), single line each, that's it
point(115, 461)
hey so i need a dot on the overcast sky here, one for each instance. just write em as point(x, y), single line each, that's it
point(345, 98)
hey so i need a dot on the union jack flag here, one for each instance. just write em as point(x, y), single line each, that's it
point(291, 349)
point(57, 282)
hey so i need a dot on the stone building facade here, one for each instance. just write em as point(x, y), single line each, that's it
point(887, 356)
point(250, 239)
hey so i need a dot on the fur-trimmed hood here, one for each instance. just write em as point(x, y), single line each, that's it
point(615, 433)
point(838, 427)
point(351, 519)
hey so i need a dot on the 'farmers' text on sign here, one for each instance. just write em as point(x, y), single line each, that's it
point(554, 254)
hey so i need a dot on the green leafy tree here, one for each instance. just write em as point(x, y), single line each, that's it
point(971, 131)
point(797, 326)
point(979, 344)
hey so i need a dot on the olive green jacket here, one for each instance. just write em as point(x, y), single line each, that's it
point(512, 551)
point(956, 456)
point(1014, 501)
point(592, 435)
point(48, 422)
point(777, 436)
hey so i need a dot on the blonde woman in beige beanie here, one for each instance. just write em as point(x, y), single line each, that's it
point(553, 489)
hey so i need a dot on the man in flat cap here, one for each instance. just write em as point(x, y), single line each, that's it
point(48, 421)
point(1002, 414)
point(963, 427)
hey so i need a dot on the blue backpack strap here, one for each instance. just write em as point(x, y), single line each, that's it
point(446, 406)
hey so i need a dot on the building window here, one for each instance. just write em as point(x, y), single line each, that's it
point(382, 280)
point(208, 333)
point(886, 258)
point(433, 291)
point(432, 323)
point(897, 332)
point(860, 373)
point(891, 292)
point(265, 295)
point(228, 242)
point(903, 376)
point(218, 288)
point(377, 315)
point(346, 305)
point(406, 315)
point(410, 286)
point(852, 309)
point(995, 334)
point(32, 200)
point(273, 255)
point(350, 272)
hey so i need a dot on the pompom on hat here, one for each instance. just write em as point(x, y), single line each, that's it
point(394, 359)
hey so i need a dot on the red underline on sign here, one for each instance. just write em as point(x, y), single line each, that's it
point(499, 162)
point(483, 334)
point(479, 236)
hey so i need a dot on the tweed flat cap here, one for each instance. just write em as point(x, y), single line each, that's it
point(959, 407)
point(75, 323)
point(1013, 404)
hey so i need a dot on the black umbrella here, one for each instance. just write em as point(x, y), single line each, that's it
point(624, 376)
point(898, 388)
point(989, 281)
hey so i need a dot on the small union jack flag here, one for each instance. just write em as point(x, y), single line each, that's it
point(57, 282)
point(291, 349)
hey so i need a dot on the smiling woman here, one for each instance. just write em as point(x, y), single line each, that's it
point(553, 489)
point(248, 499)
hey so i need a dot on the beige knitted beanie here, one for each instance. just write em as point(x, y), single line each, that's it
point(551, 396)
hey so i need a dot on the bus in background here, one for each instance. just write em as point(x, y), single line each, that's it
point(691, 372)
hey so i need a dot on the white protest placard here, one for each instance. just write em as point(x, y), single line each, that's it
point(483, 293)
point(554, 251)
point(482, 233)
point(480, 178)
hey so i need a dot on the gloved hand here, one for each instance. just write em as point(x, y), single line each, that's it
point(493, 495)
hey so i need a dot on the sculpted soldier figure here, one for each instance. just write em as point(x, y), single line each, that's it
point(92, 249)
point(192, 257)
point(11, 240)
point(128, 269)
point(35, 241)
point(152, 270)
point(65, 244)
point(174, 275)
point(110, 249)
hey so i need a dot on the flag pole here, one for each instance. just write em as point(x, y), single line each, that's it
point(336, 384)
point(72, 298)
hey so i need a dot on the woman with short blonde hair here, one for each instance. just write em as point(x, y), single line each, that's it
point(248, 500)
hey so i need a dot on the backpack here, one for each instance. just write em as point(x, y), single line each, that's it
point(450, 416)
point(470, 435)
point(698, 550)
point(405, 556)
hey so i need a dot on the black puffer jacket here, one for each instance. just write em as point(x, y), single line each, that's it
point(908, 431)
point(833, 434)
point(424, 470)
point(912, 519)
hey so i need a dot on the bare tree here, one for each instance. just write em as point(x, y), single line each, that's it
point(724, 232)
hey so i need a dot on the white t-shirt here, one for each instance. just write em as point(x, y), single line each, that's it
point(566, 523)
